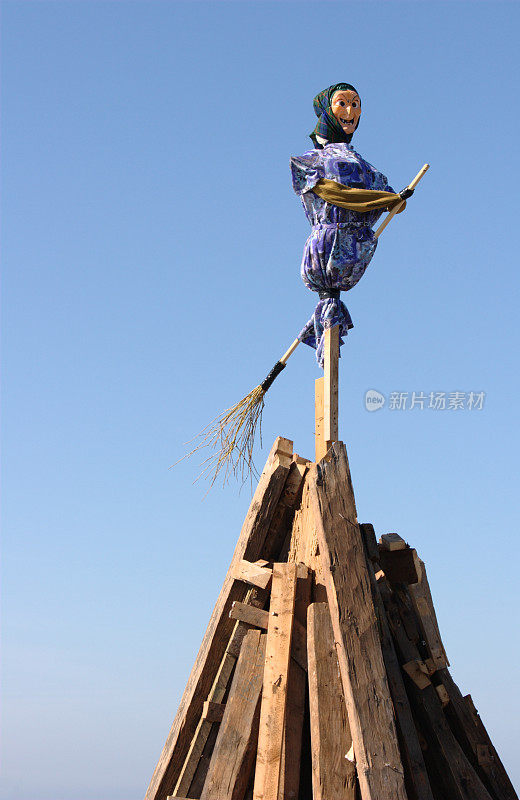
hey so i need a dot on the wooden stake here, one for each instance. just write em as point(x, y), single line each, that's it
point(319, 446)
point(274, 692)
point(330, 386)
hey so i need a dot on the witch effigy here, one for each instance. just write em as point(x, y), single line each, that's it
point(343, 197)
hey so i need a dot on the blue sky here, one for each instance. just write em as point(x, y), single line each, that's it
point(151, 252)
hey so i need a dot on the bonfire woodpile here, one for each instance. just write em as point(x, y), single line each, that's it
point(322, 673)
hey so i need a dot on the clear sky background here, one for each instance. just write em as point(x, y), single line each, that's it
point(151, 254)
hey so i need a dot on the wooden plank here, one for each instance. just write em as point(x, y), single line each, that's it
point(416, 776)
point(392, 541)
point(369, 540)
point(474, 740)
point(354, 621)
point(193, 773)
point(296, 691)
point(399, 566)
point(447, 765)
point(423, 604)
point(249, 547)
point(330, 385)
point(320, 447)
point(333, 775)
point(253, 574)
point(274, 692)
point(285, 509)
point(250, 615)
point(213, 712)
point(228, 772)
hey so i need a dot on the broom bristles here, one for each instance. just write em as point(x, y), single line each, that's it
point(232, 436)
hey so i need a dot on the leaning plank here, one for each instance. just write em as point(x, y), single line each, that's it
point(354, 621)
point(333, 775)
point(296, 691)
point(228, 775)
point(416, 776)
point(474, 740)
point(446, 762)
point(256, 617)
point(274, 692)
point(422, 602)
point(253, 574)
point(250, 548)
point(193, 771)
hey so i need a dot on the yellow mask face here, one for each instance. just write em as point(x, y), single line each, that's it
point(346, 107)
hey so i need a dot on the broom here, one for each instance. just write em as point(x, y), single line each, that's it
point(232, 435)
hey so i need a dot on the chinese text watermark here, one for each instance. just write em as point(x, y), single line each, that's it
point(420, 401)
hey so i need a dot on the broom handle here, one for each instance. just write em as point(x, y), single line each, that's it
point(288, 353)
point(399, 207)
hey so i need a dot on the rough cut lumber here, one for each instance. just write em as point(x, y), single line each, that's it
point(320, 447)
point(333, 775)
point(392, 541)
point(416, 776)
point(474, 740)
point(369, 540)
point(228, 772)
point(330, 385)
point(447, 765)
point(296, 691)
point(193, 771)
point(400, 566)
point(281, 522)
point(249, 547)
point(274, 692)
point(423, 604)
point(253, 574)
point(354, 621)
point(213, 712)
point(250, 615)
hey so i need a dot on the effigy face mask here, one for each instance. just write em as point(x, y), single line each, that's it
point(346, 107)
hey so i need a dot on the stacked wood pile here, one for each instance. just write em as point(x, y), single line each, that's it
point(322, 673)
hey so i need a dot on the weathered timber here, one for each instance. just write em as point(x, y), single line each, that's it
point(369, 540)
point(274, 691)
point(257, 617)
point(193, 772)
point(213, 712)
point(296, 691)
point(253, 574)
point(333, 775)
point(392, 541)
point(283, 515)
point(249, 547)
point(415, 773)
point(423, 604)
point(354, 621)
point(228, 772)
point(446, 762)
point(399, 566)
point(474, 740)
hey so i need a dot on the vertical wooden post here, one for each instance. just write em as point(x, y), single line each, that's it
point(319, 447)
point(330, 386)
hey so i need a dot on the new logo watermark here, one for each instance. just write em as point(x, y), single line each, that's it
point(374, 400)
point(434, 401)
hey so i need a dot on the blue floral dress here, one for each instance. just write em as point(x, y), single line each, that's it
point(341, 244)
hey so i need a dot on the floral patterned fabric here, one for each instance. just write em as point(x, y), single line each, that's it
point(341, 244)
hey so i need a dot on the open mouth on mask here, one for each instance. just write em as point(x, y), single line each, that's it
point(347, 121)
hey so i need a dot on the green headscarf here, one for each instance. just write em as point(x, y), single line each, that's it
point(328, 126)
